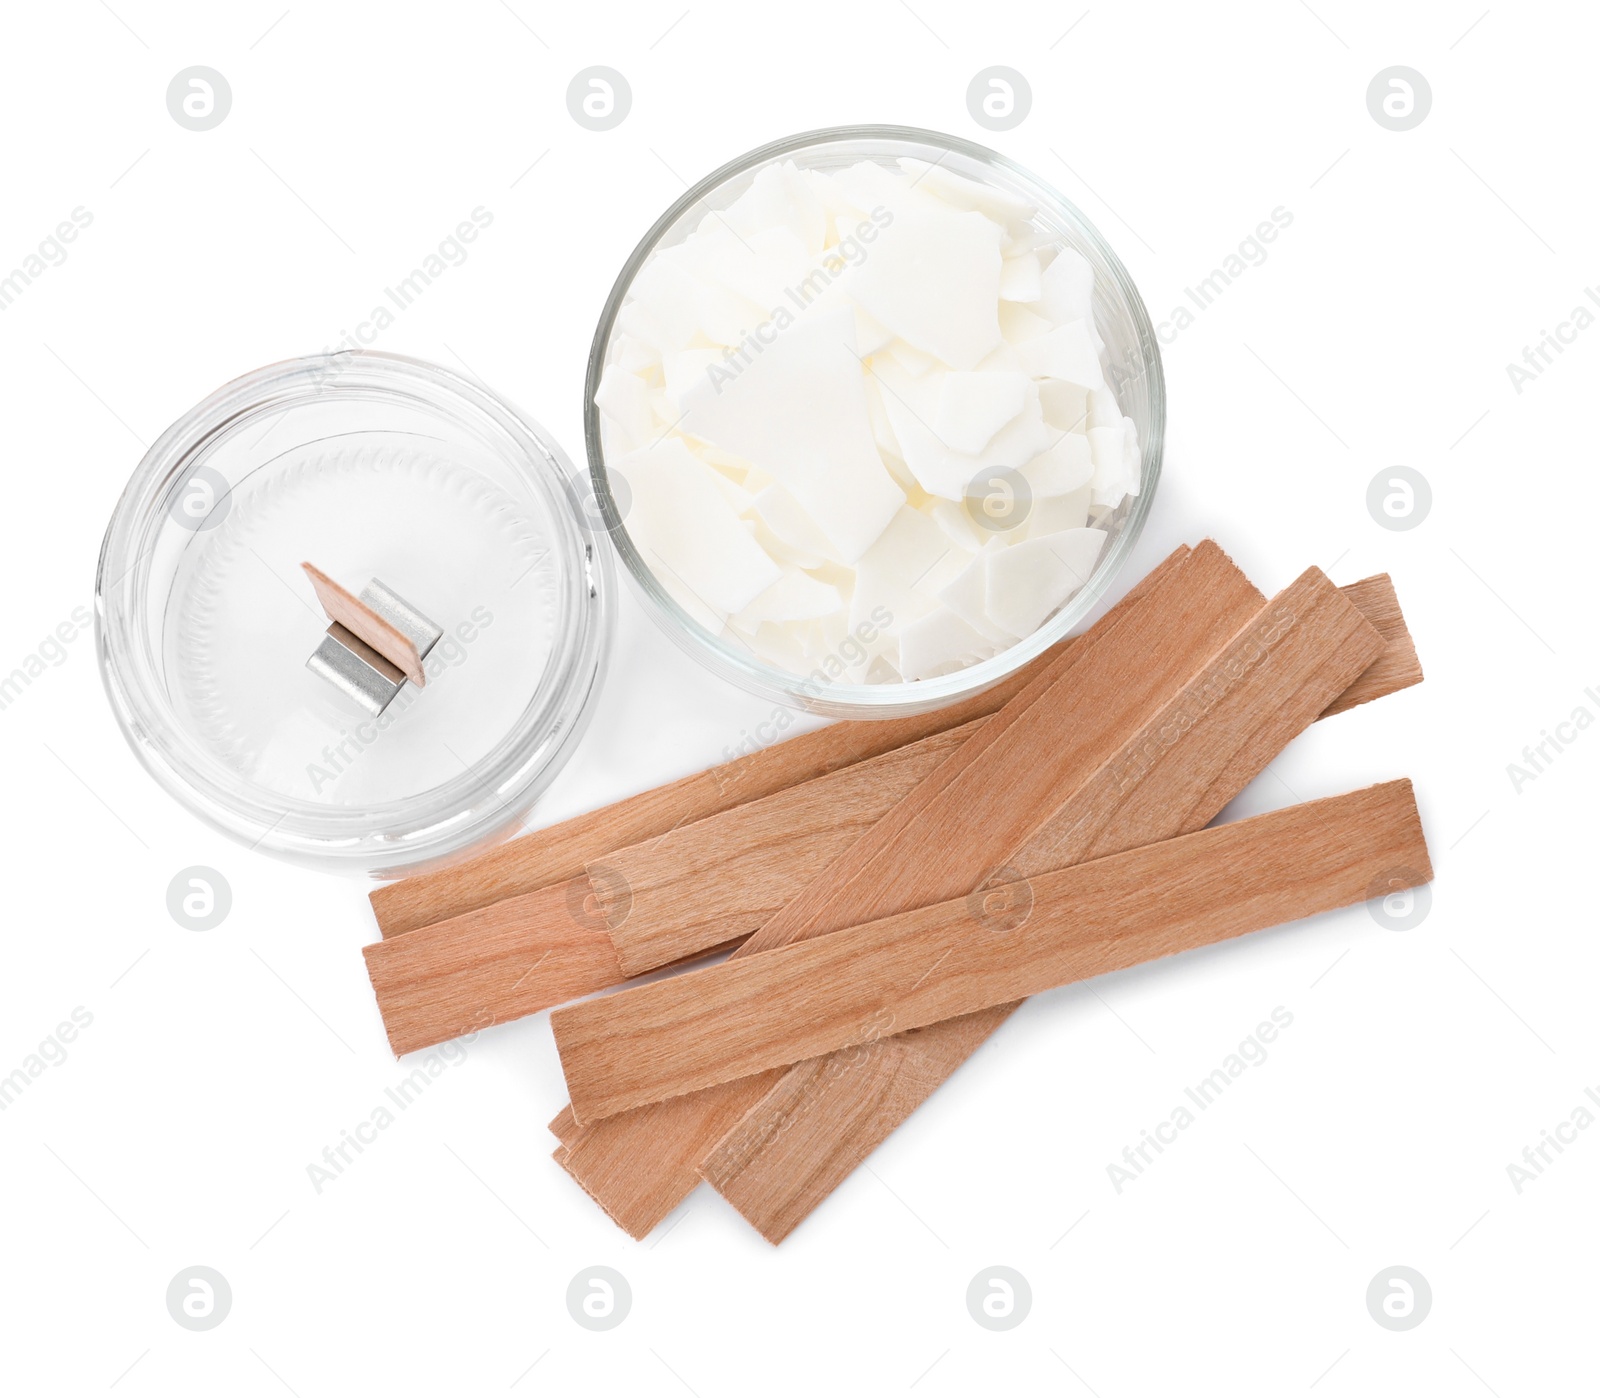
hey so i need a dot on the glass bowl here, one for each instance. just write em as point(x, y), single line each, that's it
point(370, 466)
point(1131, 358)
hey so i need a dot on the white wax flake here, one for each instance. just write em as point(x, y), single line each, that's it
point(1067, 352)
point(774, 642)
point(872, 335)
point(802, 390)
point(952, 517)
point(892, 576)
point(686, 304)
point(908, 549)
point(682, 370)
point(973, 407)
point(869, 186)
point(673, 300)
point(1025, 238)
point(636, 323)
point(780, 197)
point(625, 399)
point(787, 519)
point(633, 356)
point(798, 410)
point(1029, 580)
point(794, 597)
point(759, 268)
point(913, 408)
point(1117, 466)
point(1060, 469)
point(938, 644)
point(1067, 288)
point(1055, 514)
point(1066, 405)
point(948, 568)
point(786, 555)
point(882, 428)
point(679, 514)
point(1105, 446)
point(741, 500)
point(1131, 455)
point(1019, 324)
point(967, 595)
point(1020, 279)
point(1103, 409)
point(914, 361)
point(843, 212)
point(999, 204)
point(933, 277)
point(1002, 359)
point(876, 600)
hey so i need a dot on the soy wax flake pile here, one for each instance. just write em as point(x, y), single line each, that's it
point(864, 422)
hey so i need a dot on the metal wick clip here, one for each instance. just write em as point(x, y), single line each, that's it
point(376, 642)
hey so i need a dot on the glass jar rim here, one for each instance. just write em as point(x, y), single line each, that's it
point(466, 810)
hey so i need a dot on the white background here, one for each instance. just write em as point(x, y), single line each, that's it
point(1419, 1064)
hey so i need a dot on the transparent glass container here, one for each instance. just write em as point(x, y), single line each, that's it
point(1131, 356)
point(370, 466)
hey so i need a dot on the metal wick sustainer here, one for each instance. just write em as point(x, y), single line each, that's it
point(376, 642)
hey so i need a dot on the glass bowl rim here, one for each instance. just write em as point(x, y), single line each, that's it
point(868, 700)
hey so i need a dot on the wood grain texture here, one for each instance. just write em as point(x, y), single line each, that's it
point(1398, 667)
point(344, 607)
point(1216, 734)
point(635, 1138)
point(821, 1119)
point(779, 1163)
point(974, 809)
point(1173, 774)
point(719, 879)
point(490, 966)
point(554, 855)
point(564, 1126)
point(629, 1136)
point(522, 954)
point(660, 898)
point(680, 895)
point(841, 989)
point(1171, 777)
point(606, 1164)
point(1039, 747)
